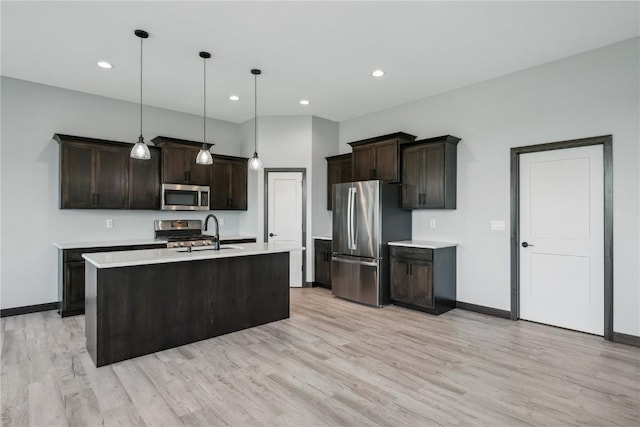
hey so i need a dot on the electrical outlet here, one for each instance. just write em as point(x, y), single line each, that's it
point(432, 223)
point(221, 221)
point(109, 223)
point(497, 225)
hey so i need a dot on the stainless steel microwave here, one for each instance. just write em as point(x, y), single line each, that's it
point(181, 197)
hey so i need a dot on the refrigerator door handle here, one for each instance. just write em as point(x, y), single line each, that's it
point(354, 194)
point(353, 261)
point(349, 202)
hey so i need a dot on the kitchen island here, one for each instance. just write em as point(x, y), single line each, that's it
point(140, 302)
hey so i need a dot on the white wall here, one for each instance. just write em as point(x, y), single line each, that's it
point(283, 142)
point(325, 134)
point(594, 93)
point(31, 220)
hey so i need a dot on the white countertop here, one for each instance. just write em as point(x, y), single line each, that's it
point(321, 237)
point(162, 256)
point(107, 243)
point(132, 242)
point(427, 244)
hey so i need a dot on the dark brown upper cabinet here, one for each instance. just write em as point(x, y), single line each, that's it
point(338, 171)
point(179, 162)
point(144, 181)
point(228, 183)
point(379, 157)
point(429, 173)
point(94, 173)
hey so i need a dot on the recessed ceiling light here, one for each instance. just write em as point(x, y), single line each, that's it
point(377, 73)
point(104, 64)
point(304, 102)
point(234, 97)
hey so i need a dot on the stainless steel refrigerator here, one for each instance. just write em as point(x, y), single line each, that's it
point(366, 215)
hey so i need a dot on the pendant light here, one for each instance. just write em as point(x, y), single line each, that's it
point(204, 156)
point(140, 149)
point(254, 162)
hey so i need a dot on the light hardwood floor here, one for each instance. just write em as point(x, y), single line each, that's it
point(332, 363)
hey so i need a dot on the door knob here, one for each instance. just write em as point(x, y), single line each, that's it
point(271, 234)
point(526, 245)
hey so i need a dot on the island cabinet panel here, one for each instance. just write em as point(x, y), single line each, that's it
point(379, 157)
point(322, 262)
point(429, 173)
point(338, 171)
point(137, 310)
point(71, 275)
point(179, 162)
point(423, 279)
point(99, 174)
point(229, 183)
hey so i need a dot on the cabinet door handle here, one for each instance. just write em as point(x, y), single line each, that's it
point(406, 265)
point(375, 173)
point(97, 199)
point(157, 204)
point(410, 269)
point(186, 176)
point(229, 202)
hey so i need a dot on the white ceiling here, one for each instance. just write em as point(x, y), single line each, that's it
point(321, 51)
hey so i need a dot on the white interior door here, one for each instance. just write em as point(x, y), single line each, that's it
point(562, 223)
point(285, 217)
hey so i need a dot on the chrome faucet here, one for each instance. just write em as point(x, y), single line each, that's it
point(216, 237)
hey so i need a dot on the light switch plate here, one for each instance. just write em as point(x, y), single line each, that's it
point(497, 225)
point(221, 221)
point(109, 223)
point(432, 223)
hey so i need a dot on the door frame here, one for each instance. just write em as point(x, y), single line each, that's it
point(304, 212)
point(607, 154)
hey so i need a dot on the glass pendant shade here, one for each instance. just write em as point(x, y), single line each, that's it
point(140, 150)
point(204, 157)
point(255, 163)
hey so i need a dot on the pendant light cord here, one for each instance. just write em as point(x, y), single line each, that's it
point(204, 123)
point(141, 87)
point(255, 113)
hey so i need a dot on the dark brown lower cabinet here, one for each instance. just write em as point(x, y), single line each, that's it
point(71, 272)
point(74, 286)
point(423, 279)
point(322, 262)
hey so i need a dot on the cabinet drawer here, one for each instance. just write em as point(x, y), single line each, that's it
point(419, 254)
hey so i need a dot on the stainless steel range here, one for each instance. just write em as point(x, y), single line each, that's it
point(182, 233)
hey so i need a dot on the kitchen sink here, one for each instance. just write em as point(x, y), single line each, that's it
point(208, 248)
